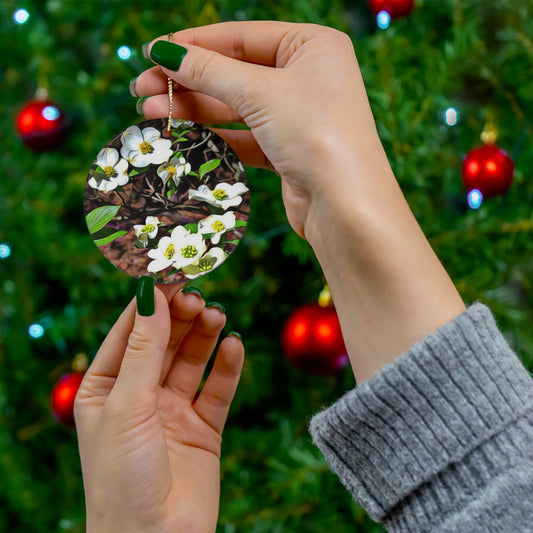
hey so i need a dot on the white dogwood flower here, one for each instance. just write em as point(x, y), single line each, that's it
point(207, 262)
point(223, 195)
point(217, 225)
point(149, 228)
point(114, 171)
point(146, 147)
point(179, 250)
point(174, 169)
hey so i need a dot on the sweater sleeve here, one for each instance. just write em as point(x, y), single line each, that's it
point(441, 439)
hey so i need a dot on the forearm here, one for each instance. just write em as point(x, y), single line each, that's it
point(388, 286)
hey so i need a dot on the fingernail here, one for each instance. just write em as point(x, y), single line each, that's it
point(193, 290)
point(133, 92)
point(235, 334)
point(139, 105)
point(167, 54)
point(220, 307)
point(145, 296)
point(146, 50)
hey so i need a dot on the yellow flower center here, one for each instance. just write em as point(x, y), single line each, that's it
point(146, 148)
point(219, 194)
point(171, 169)
point(206, 264)
point(218, 226)
point(189, 251)
point(148, 229)
point(169, 252)
point(109, 172)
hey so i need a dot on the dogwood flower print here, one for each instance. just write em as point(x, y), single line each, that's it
point(181, 249)
point(114, 171)
point(223, 195)
point(208, 262)
point(149, 228)
point(174, 169)
point(146, 147)
point(217, 225)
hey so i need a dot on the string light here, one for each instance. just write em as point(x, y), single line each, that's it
point(475, 199)
point(124, 52)
point(21, 16)
point(451, 116)
point(36, 331)
point(383, 20)
point(5, 251)
point(50, 112)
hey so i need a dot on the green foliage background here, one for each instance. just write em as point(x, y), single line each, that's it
point(476, 55)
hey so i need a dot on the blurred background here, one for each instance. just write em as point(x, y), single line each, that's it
point(439, 74)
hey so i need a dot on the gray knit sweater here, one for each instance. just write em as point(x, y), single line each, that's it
point(440, 440)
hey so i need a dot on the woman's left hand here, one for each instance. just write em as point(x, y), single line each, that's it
point(149, 444)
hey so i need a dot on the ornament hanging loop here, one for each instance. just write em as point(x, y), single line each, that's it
point(172, 85)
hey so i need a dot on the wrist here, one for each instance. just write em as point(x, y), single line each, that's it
point(389, 288)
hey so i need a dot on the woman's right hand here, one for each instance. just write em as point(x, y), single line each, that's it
point(299, 89)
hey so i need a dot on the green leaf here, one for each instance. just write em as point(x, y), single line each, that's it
point(192, 227)
point(169, 194)
point(100, 216)
point(240, 224)
point(208, 166)
point(106, 240)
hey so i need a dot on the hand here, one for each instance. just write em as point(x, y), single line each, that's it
point(149, 452)
point(299, 89)
point(304, 115)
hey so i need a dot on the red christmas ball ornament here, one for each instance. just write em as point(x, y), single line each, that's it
point(488, 169)
point(41, 125)
point(395, 8)
point(63, 396)
point(312, 340)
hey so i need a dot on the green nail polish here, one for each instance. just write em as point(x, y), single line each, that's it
point(167, 54)
point(139, 105)
point(145, 50)
point(235, 334)
point(193, 290)
point(133, 92)
point(220, 307)
point(145, 296)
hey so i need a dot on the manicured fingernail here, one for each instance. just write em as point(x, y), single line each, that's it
point(220, 307)
point(139, 105)
point(193, 290)
point(133, 92)
point(167, 54)
point(145, 296)
point(146, 50)
point(235, 334)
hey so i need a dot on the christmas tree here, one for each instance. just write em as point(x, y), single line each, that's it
point(436, 78)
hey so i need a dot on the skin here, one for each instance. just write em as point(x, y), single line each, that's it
point(149, 458)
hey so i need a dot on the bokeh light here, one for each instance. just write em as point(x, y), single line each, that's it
point(475, 199)
point(383, 20)
point(21, 16)
point(124, 52)
point(36, 331)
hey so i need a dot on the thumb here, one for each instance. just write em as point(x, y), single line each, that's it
point(147, 343)
point(229, 80)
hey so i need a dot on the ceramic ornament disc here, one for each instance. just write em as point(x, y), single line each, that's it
point(172, 208)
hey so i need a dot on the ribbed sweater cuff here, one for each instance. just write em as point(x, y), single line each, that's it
point(420, 428)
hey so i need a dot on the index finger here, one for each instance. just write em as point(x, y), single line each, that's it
point(252, 41)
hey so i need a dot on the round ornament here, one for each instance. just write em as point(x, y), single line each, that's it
point(63, 396)
point(41, 125)
point(312, 340)
point(171, 203)
point(488, 169)
point(395, 8)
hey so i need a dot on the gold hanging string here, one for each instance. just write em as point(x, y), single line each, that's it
point(172, 85)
